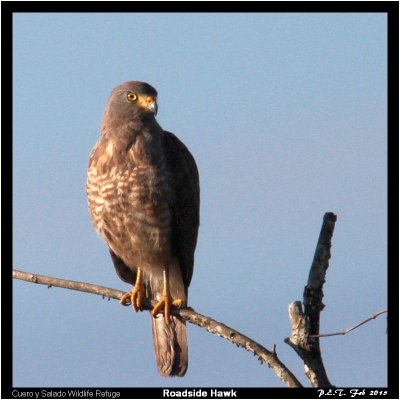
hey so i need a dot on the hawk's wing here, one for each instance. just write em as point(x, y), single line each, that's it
point(185, 210)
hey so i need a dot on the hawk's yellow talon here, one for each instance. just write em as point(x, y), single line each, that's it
point(177, 303)
point(166, 302)
point(136, 295)
point(125, 299)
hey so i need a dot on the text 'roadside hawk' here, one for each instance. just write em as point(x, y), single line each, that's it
point(143, 196)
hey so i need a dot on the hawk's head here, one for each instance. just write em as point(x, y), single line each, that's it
point(132, 100)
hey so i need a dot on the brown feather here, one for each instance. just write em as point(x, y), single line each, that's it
point(170, 346)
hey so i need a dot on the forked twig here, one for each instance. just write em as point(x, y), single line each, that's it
point(344, 331)
point(304, 338)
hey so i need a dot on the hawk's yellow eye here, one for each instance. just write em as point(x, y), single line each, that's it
point(131, 96)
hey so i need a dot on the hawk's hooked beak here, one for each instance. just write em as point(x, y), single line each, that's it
point(153, 107)
point(149, 103)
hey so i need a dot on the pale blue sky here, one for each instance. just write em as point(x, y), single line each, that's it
point(286, 117)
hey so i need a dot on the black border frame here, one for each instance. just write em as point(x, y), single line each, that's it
point(391, 8)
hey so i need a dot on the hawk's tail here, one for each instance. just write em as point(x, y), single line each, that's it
point(170, 345)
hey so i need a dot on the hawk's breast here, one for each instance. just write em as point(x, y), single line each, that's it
point(130, 206)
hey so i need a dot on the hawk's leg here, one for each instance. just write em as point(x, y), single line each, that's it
point(136, 295)
point(166, 301)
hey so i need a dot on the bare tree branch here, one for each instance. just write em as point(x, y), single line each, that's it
point(67, 284)
point(305, 325)
point(188, 314)
point(344, 331)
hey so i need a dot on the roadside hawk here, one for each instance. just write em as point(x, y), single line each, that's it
point(143, 196)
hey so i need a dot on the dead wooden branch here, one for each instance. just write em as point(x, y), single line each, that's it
point(305, 324)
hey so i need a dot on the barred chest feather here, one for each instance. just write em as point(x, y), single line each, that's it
point(130, 204)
